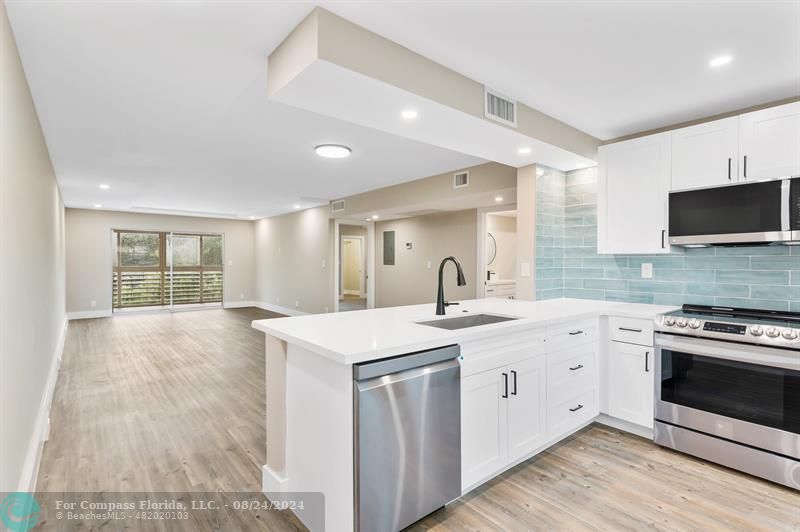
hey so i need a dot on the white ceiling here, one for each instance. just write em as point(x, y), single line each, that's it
point(609, 68)
point(166, 101)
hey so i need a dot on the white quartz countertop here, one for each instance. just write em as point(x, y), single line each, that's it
point(364, 335)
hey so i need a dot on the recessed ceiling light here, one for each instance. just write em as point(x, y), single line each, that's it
point(524, 151)
point(97, 206)
point(720, 61)
point(409, 114)
point(498, 199)
point(579, 166)
point(374, 216)
point(296, 206)
point(252, 217)
point(333, 151)
point(104, 186)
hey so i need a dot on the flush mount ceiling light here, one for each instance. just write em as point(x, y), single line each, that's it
point(720, 61)
point(333, 151)
point(524, 151)
point(104, 186)
point(409, 114)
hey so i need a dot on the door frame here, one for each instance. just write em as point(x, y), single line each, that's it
point(481, 259)
point(369, 252)
point(362, 259)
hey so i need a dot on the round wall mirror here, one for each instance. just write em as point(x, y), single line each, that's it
point(491, 248)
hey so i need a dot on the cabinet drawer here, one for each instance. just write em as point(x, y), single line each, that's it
point(631, 330)
point(565, 415)
point(570, 334)
point(572, 370)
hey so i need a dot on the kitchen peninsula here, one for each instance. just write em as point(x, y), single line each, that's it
point(551, 356)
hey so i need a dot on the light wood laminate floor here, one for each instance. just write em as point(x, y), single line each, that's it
point(175, 403)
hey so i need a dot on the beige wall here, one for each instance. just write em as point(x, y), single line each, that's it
point(485, 181)
point(31, 272)
point(89, 273)
point(526, 231)
point(504, 230)
point(290, 250)
point(433, 237)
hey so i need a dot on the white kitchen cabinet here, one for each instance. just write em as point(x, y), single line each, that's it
point(503, 417)
point(631, 383)
point(484, 426)
point(769, 142)
point(705, 155)
point(527, 407)
point(634, 181)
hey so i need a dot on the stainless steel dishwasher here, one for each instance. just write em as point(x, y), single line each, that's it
point(407, 438)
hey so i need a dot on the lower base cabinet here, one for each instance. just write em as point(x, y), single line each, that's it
point(631, 383)
point(503, 417)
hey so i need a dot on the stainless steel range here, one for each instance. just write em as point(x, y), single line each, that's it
point(728, 388)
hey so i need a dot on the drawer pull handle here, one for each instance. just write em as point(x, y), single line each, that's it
point(575, 333)
point(627, 329)
point(576, 368)
point(576, 408)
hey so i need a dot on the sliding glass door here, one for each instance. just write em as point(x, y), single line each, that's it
point(159, 269)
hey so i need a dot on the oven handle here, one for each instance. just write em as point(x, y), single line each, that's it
point(752, 354)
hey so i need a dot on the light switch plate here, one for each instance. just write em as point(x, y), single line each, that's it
point(647, 270)
point(525, 269)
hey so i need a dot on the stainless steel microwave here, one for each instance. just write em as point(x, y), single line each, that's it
point(764, 212)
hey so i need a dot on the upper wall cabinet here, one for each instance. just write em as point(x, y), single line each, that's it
point(705, 155)
point(634, 181)
point(769, 142)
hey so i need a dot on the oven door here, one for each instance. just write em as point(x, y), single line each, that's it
point(732, 214)
point(744, 393)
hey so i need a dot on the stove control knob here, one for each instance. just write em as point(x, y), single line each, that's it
point(789, 334)
point(694, 324)
point(682, 322)
point(756, 330)
point(669, 321)
point(772, 332)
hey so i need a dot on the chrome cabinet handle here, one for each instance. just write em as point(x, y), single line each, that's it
point(576, 368)
point(514, 374)
point(576, 408)
point(574, 333)
point(627, 329)
point(505, 385)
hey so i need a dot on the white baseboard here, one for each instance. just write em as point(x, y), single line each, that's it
point(279, 309)
point(351, 292)
point(633, 428)
point(239, 304)
point(87, 314)
point(272, 483)
point(41, 429)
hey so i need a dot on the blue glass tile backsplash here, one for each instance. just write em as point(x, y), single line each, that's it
point(567, 263)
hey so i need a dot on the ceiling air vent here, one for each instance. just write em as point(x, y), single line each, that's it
point(337, 206)
point(461, 179)
point(500, 108)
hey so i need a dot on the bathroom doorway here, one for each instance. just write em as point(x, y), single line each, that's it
point(498, 253)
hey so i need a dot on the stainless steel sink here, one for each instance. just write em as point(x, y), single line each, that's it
point(463, 322)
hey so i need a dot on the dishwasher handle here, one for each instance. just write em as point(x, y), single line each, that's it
point(389, 366)
point(409, 374)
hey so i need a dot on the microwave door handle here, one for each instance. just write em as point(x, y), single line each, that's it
point(786, 205)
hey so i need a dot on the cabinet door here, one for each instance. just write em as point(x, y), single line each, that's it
point(705, 155)
point(634, 180)
point(631, 384)
point(484, 425)
point(769, 142)
point(527, 407)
